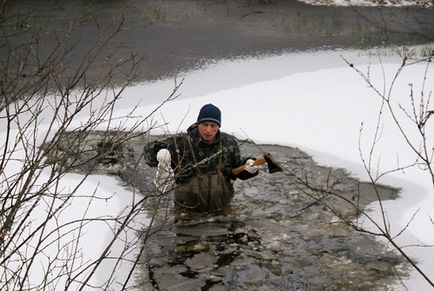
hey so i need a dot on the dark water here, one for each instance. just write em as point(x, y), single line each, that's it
point(177, 35)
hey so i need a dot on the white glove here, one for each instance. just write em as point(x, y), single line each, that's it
point(164, 178)
point(163, 157)
point(251, 167)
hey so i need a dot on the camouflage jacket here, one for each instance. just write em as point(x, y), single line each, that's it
point(192, 156)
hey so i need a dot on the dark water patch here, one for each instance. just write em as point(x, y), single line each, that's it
point(182, 35)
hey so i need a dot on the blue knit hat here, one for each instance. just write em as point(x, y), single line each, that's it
point(211, 113)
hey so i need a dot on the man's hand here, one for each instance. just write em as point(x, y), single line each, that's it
point(164, 158)
point(251, 167)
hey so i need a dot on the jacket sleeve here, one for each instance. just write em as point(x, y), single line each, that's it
point(237, 161)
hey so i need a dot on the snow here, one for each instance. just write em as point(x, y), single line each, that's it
point(312, 101)
point(80, 231)
point(109, 200)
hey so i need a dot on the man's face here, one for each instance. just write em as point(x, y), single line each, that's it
point(208, 131)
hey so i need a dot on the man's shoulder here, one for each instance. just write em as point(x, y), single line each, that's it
point(228, 138)
point(182, 138)
point(170, 139)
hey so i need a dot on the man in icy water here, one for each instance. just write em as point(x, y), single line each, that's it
point(202, 161)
